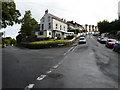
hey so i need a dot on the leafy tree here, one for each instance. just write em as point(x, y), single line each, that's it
point(103, 26)
point(28, 26)
point(9, 14)
point(13, 41)
point(19, 38)
point(7, 42)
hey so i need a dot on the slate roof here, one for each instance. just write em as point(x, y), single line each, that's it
point(57, 18)
point(73, 24)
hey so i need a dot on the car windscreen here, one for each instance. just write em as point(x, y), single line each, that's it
point(82, 38)
point(111, 40)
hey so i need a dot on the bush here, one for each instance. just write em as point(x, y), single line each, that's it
point(46, 45)
point(58, 38)
point(70, 37)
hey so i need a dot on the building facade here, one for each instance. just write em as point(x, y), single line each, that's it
point(119, 9)
point(51, 27)
point(91, 28)
point(74, 25)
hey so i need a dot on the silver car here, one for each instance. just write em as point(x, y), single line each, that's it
point(82, 40)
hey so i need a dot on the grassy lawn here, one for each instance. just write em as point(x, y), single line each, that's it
point(47, 41)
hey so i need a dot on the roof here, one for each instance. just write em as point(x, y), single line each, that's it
point(73, 24)
point(57, 18)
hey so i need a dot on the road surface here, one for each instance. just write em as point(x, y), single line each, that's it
point(90, 65)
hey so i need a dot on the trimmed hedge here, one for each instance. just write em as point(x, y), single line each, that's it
point(46, 45)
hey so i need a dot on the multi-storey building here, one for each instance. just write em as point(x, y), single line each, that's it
point(74, 25)
point(51, 26)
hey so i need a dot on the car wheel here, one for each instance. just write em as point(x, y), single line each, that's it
point(106, 46)
point(114, 49)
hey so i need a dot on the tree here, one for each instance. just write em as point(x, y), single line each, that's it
point(13, 42)
point(8, 41)
point(28, 26)
point(103, 26)
point(19, 38)
point(9, 14)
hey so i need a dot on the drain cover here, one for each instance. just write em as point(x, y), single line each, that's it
point(55, 75)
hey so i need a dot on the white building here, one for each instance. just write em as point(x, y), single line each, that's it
point(74, 25)
point(119, 9)
point(51, 26)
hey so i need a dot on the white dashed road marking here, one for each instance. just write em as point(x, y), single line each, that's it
point(30, 86)
point(41, 77)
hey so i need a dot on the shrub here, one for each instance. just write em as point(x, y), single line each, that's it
point(58, 38)
point(70, 37)
point(46, 45)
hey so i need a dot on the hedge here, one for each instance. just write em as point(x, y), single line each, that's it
point(46, 45)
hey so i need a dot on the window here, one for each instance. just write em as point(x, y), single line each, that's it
point(64, 27)
point(49, 33)
point(42, 26)
point(49, 18)
point(56, 26)
point(49, 26)
point(41, 33)
point(60, 27)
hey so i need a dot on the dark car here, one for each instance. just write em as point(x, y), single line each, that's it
point(110, 43)
point(117, 47)
point(103, 40)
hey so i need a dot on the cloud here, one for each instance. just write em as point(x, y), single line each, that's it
point(81, 11)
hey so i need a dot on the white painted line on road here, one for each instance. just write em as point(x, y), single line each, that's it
point(30, 86)
point(41, 77)
point(74, 48)
point(68, 50)
point(51, 69)
point(49, 72)
point(55, 66)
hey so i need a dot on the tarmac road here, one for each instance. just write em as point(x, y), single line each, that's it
point(90, 65)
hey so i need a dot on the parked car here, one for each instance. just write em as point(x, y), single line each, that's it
point(103, 40)
point(117, 47)
point(98, 39)
point(82, 40)
point(110, 43)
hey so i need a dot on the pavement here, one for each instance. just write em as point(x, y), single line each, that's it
point(90, 65)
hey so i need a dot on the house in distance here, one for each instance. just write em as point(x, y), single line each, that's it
point(51, 27)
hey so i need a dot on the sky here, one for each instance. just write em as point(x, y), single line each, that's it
point(81, 11)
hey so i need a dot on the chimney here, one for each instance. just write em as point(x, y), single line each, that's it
point(46, 11)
